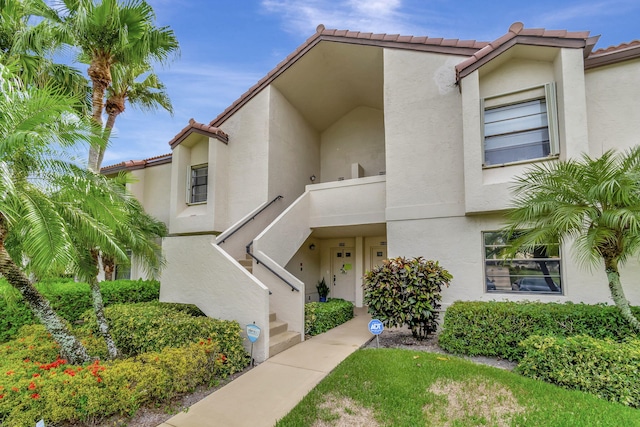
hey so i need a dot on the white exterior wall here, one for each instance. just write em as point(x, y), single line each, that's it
point(294, 149)
point(453, 237)
point(352, 202)
point(488, 189)
point(183, 217)
point(613, 123)
point(357, 137)
point(157, 183)
point(204, 275)
point(248, 151)
point(305, 265)
point(457, 244)
point(423, 133)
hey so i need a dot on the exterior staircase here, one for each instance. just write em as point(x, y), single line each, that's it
point(247, 263)
point(280, 338)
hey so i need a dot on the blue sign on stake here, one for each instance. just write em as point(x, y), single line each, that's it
point(376, 327)
point(253, 333)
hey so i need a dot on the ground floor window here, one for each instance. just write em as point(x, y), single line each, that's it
point(531, 271)
point(123, 271)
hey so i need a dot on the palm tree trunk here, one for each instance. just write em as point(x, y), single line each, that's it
point(108, 265)
point(71, 348)
point(98, 308)
point(617, 293)
point(111, 121)
point(103, 325)
point(100, 76)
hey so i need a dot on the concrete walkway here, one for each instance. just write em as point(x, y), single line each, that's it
point(270, 390)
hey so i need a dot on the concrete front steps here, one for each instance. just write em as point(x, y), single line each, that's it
point(280, 338)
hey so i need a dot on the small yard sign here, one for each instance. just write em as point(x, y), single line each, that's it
point(253, 333)
point(375, 327)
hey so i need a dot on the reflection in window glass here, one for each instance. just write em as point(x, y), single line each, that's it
point(516, 132)
point(535, 270)
point(199, 184)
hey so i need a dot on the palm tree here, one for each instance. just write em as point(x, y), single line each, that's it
point(30, 48)
point(148, 94)
point(108, 203)
point(109, 33)
point(35, 229)
point(595, 202)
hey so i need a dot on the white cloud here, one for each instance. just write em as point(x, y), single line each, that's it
point(568, 15)
point(358, 15)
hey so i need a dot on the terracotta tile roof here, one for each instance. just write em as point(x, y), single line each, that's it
point(519, 35)
point(427, 44)
point(137, 164)
point(201, 128)
point(612, 54)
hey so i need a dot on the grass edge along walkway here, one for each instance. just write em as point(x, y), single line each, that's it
point(392, 387)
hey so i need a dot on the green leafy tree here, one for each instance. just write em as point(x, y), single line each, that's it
point(406, 292)
point(593, 202)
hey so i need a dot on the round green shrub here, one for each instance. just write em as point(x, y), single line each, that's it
point(406, 292)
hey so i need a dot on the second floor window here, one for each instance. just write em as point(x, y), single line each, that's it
point(198, 184)
point(520, 130)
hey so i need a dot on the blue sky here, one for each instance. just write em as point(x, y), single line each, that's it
point(228, 45)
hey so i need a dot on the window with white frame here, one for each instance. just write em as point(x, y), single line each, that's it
point(520, 126)
point(529, 271)
point(198, 184)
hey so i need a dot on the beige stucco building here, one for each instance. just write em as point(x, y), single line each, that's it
point(360, 146)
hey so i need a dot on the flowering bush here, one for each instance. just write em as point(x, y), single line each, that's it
point(51, 389)
point(171, 350)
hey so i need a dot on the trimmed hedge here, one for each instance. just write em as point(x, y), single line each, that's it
point(496, 328)
point(605, 368)
point(154, 326)
point(319, 317)
point(69, 299)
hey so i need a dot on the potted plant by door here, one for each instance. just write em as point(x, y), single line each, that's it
point(323, 290)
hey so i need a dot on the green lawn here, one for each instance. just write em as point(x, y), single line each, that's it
point(390, 387)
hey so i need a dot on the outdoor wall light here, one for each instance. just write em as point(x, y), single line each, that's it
point(312, 178)
point(312, 247)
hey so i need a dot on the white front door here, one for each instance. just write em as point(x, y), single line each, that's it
point(343, 277)
point(378, 254)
